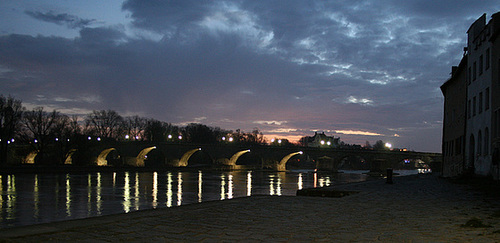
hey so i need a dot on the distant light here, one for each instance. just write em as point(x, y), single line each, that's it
point(89, 138)
point(12, 140)
point(248, 150)
point(180, 137)
point(300, 152)
point(36, 141)
point(388, 145)
point(154, 147)
point(169, 136)
point(67, 140)
point(223, 138)
point(322, 142)
point(136, 137)
point(279, 140)
point(272, 140)
point(199, 148)
point(127, 136)
point(231, 139)
point(98, 138)
point(328, 143)
point(57, 139)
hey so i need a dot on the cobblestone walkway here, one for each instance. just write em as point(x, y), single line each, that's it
point(420, 208)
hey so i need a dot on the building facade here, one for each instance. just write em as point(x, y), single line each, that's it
point(482, 104)
point(320, 140)
point(454, 121)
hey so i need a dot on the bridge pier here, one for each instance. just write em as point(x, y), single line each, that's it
point(326, 163)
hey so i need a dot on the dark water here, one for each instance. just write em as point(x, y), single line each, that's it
point(38, 198)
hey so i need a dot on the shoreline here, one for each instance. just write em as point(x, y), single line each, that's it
point(418, 208)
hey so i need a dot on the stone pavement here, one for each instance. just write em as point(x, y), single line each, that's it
point(421, 208)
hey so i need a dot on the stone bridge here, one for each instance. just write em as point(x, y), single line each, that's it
point(140, 154)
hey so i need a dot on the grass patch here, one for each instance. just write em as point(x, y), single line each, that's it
point(475, 223)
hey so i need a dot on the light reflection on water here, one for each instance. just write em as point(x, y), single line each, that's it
point(36, 198)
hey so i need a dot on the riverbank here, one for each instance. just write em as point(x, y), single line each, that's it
point(421, 208)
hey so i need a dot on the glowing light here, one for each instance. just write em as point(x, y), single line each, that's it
point(222, 187)
point(200, 186)
point(300, 183)
point(179, 189)
point(36, 141)
point(279, 140)
point(127, 136)
point(155, 189)
point(169, 190)
point(180, 137)
point(126, 193)
point(231, 139)
point(136, 137)
point(223, 138)
point(272, 140)
point(322, 142)
point(98, 138)
point(300, 152)
point(230, 187)
point(89, 138)
point(388, 145)
point(328, 143)
point(57, 139)
point(249, 183)
point(68, 196)
point(169, 136)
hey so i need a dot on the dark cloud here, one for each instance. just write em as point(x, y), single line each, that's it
point(71, 21)
point(287, 68)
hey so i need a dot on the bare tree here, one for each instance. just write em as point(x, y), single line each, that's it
point(105, 124)
point(135, 127)
point(41, 128)
point(11, 111)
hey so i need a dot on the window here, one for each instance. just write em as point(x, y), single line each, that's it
point(486, 141)
point(469, 110)
point(474, 71)
point(487, 99)
point(479, 142)
point(480, 108)
point(474, 103)
point(487, 60)
point(469, 76)
point(481, 65)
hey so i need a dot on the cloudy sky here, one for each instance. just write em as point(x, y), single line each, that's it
point(358, 70)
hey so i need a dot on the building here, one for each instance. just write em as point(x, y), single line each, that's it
point(320, 140)
point(454, 121)
point(482, 104)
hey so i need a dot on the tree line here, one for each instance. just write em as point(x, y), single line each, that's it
point(41, 129)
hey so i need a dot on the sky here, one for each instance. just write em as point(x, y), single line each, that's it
point(358, 70)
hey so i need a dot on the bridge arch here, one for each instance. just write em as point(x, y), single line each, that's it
point(185, 158)
point(30, 158)
point(353, 162)
point(234, 158)
point(102, 158)
point(142, 156)
point(69, 157)
point(282, 163)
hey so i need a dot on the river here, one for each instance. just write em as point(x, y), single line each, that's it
point(28, 198)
